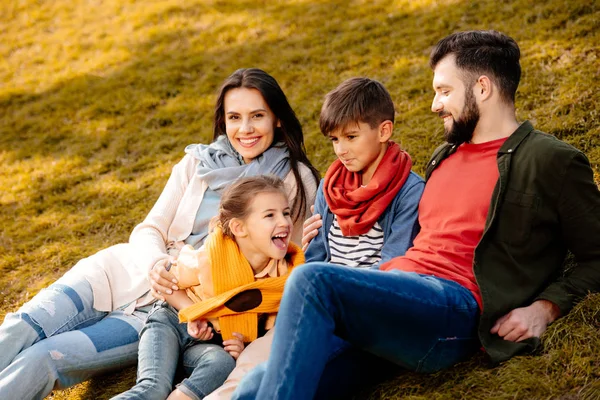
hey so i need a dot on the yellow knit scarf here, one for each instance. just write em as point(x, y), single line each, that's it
point(239, 298)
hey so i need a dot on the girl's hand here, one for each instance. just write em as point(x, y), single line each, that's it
point(162, 281)
point(199, 329)
point(234, 346)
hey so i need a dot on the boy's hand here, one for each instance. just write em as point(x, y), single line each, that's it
point(199, 329)
point(234, 346)
point(162, 281)
point(311, 228)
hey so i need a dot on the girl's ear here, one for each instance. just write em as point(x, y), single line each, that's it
point(237, 227)
point(279, 123)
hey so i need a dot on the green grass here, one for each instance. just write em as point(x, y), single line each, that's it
point(98, 100)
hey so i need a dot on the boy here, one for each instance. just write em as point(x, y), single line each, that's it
point(369, 197)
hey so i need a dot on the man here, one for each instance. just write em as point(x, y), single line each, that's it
point(502, 204)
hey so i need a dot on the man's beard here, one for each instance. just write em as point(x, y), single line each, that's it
point(463, 128)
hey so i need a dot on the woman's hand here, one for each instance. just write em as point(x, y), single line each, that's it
point(162, 281)
point(234, 346)
point(311, 228)
point(199, 329)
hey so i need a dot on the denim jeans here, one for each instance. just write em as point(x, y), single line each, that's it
point(348, 371)
point(418, 322)
point(57, 340)
point(162, 340)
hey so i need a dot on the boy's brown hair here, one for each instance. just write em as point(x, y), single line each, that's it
point(356, 100)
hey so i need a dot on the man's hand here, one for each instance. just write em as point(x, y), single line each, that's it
point(199, 329)
point(162, 281)
point(311, 228)
point(234, 346)
point(525, 322)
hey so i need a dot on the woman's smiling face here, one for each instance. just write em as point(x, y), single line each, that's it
point(249, 122)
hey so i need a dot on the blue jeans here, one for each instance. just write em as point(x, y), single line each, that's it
point(418, 322)
point(57, 340)
point(348, 371)
point(162, 340)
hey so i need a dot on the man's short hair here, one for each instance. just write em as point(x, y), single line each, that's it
point(356, 100)
point(488, 53)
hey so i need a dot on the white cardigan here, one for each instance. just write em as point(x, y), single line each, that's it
point(119, 274)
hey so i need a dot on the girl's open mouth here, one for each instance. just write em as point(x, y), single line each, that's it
point(280, 240)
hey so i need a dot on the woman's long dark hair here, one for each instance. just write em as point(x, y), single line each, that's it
point(289, 133)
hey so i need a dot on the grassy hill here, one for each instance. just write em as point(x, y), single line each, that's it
point(99, 98)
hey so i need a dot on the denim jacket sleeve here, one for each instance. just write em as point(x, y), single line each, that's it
point(579, 213)
point(404, 224)
point(317, 250)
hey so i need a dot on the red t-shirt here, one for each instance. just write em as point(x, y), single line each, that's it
point(452, 214)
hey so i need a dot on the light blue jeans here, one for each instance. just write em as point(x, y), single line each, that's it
point(163, 341)
point(57, 340)
point(418, 322)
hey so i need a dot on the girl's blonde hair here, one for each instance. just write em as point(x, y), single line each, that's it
point(236, 199)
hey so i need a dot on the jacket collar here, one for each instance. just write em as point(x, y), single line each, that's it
point(511, 144)
point(514, 140)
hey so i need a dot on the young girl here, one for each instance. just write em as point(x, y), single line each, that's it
point(236, 280)
point(88, 322)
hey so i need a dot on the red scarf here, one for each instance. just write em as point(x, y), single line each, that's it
point(357, 207)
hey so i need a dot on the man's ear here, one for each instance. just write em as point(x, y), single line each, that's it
point(483, 88)
point(386, 129)
point(237, 227)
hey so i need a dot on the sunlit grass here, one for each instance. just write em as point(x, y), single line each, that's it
point(99, 98)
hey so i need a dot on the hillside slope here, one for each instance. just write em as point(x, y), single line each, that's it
point(99, 98)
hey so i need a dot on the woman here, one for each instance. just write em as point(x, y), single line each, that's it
point(88, 321)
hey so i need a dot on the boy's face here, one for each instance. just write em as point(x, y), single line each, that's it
point(360, 148)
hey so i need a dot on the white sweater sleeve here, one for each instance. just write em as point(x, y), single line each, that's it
point(310, 187)
point(151, 236)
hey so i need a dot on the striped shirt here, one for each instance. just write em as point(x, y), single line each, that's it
point(362, 251)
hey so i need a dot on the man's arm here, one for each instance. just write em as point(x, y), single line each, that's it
point(525, 322)
point(579, 214)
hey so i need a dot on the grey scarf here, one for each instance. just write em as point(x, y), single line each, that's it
point(220, 164)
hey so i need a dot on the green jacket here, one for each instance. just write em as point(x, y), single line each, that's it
point(544, 203)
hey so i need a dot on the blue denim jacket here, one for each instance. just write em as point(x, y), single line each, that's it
point(398, 221)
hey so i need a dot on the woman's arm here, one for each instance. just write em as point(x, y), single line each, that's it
point(150, 237)
point(192, 268)
point(310, 187)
